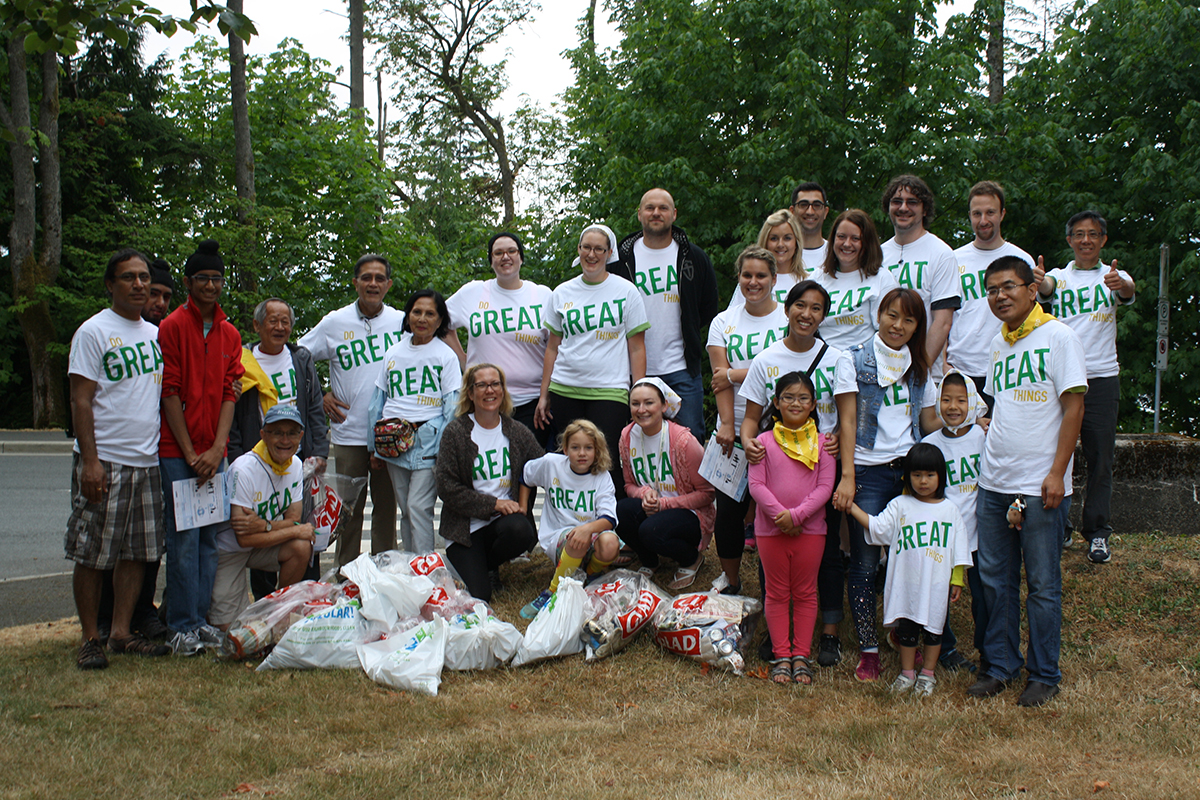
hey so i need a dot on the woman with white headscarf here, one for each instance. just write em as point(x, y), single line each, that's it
point(668, 511)
point(597, 325)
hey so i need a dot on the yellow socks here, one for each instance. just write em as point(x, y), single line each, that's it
point(566, 565)
point(596, 566)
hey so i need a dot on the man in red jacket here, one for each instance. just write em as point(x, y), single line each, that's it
point(201, 359)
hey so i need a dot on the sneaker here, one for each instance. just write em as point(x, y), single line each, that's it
point(210, 636)
point(1067, 539)
point(902, 683)
point(1099, 553)
point(751, 542)
point(138, 645)
point(532, 608)
point(954, 661)
point(91, 655)
point(151, 627)
point(924, 685)
point(830, 652)
point(186, 643)
point(868, 668)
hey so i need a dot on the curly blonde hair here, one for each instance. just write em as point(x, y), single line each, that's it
point(603, 462)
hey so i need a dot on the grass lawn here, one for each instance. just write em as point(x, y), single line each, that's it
point(642, 724)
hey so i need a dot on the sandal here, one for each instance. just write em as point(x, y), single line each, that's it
point(138, 645)
point(686, 576)
point(91, 655)
point(624, 559)
point(802, 671)
point(781, 672)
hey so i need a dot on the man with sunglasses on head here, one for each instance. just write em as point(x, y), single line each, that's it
point(353, 339)
point(201, 360)
point(810, 206)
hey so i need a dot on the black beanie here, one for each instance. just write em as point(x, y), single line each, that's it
point(505, 235)
point(205, 257)
point(160, 273)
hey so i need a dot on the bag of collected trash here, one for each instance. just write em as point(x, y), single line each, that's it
point(709, 627)
point(555, 631)
point(410, 660)
point(387, 596)
point(331, 497)
point(265, 621)
point(448, 596)
point(324, 640)
point(478, 640)
point(621, 603)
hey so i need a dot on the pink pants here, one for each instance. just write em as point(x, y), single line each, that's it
point(790, 565)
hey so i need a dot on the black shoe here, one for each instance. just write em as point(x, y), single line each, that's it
point(732, 590)
point(766, 650)
point(1037, 694)
point(830, 652)
point(102, 634)
point(954, 661)
point(151, 627)
point(987, 686)
point(497, 584)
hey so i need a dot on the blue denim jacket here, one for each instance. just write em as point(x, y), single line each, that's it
point(870, 396)
point(427, 440)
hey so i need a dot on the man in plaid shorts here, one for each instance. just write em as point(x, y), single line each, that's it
point(116, 370)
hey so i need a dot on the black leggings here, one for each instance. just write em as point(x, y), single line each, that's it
point(831, 577)
point(609, 416)
point(730, 529)
point(673, 533)
point(907, 632)
point(492, 545)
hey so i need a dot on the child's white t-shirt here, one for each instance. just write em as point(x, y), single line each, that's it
point(258, 488)
point(571, 499)
point(354, 347)
point(974, 323)
point(595, 320)
point(834, 375)
point(122, 356)
point(280, 371)
point(505, 328)
point(492, 472)
point(853, 314)
point(1027, 379)
point(964, 459)
point(927, 541)
point(656, 277)
point(894, 434)
point(1083, 303)
point(743, 336)
point(417, 378)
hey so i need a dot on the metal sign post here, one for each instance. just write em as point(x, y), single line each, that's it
point(1164, 325)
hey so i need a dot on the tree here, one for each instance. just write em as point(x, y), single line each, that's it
point(44, 30)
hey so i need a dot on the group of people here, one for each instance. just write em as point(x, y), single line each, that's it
point(919, 394)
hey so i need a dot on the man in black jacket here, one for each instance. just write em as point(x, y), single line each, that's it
point(680, 289)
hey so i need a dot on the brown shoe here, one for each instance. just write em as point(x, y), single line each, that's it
point(138, 645)
point(91, 655)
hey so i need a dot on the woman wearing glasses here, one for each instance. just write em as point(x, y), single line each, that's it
point(597, 325)
point(479, 467)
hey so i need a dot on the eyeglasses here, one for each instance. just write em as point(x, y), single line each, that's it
point(215, 280)
point(511, 253)
point(795, 398)
point(495, 386)
point(1080, 236)
point(805, 205)
point(1009, 288)
point(289, 434)
point(590, 249)
point(898, 202)
point(373, 277)
point(134, 277)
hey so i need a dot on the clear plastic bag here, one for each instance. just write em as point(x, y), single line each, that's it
point(387, 597)
point(556, 629)
point(325, 640)
point(620, 606)
point(478, 640)
point(449, 596)
point(410, 660)
point(265, 621)
point(709, 627)
point(331, 498)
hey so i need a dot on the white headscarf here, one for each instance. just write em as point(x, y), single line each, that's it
point(672, 400)
point(976, 406)
point(612, 241)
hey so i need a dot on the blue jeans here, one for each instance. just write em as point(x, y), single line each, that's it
point(978, 615)
point(690, 389)
point(191, 556)
point(1002, 550)
point(875, 487)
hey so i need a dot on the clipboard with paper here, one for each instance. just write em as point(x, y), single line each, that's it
point(727, 473)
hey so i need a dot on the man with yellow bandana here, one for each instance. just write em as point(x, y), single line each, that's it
point(1038, 376)
point(264, 529)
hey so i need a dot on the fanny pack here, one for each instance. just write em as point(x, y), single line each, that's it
point(394, 436)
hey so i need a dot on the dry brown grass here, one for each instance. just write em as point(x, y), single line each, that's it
point(644, 724)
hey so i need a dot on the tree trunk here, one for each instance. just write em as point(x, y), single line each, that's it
point(244, 250)
point(591, 23)
point(995, 51)
point(357, 78)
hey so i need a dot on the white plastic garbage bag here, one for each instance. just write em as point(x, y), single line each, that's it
point(478, 640)
point(387, 597)
point(555, 631)
point(325, 640)
point(410, 660)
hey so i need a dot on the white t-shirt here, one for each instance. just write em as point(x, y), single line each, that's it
point(594, 320)
point(853, 314)
point(1083, 302)
point(417, 378)
point(354, 348)
point(834, 375)
point(894, 436)
point(492, 473)
point(258, 488)
point(504, 327)
point(743, 336)
point(814, 259)
point(783, 285)
point(123, 358)
point(282, 373)
point(927, 542)
point(650, 461)
point(1027, 380)
point(658, 280)
point(964, 458)
point(927, 265)
point(571, 499)
point(974, 323)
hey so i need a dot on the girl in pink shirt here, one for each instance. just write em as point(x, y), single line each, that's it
point(791, 486)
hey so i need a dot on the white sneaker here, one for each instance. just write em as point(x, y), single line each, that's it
point(924, 685)
point(902, 684)
point(210, 636)
point(186, 643)
point(1098, 552)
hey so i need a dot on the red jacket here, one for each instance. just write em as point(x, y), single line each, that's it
point(200, 371)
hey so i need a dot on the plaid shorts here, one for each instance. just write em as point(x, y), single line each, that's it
point(125, 526)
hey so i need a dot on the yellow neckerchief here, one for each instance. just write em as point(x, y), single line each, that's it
point(262, 452)
point(1036, 319)
point(800, 444)
point(256, 378)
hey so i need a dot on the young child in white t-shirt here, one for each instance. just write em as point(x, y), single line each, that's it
point(928, 549)
point(579, 516)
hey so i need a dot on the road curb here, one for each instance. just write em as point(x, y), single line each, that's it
point(37, 448)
